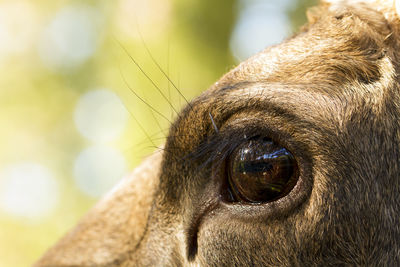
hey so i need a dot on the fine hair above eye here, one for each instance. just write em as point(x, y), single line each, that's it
point(290, 159)
point(216, 147)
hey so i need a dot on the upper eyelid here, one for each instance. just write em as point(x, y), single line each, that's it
point(289, 100)
point(266, 103)
point(219, 145)
point(237, 130)
point(254, 104)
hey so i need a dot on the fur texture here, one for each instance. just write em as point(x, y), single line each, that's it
point(331, 96)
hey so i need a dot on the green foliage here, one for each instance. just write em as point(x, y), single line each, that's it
point(189, 39)
point(297, 13)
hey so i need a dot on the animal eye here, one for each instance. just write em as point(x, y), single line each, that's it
point(260, 170)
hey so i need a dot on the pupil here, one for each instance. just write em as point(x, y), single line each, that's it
point(261, 171)
point(254, 167)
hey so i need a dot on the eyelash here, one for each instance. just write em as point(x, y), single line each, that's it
point(214, 151)
point(219, 145)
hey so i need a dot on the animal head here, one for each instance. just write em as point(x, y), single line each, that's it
point(290, 159)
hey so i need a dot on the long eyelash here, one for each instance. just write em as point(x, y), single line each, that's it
point(163, 72)
point(213, 122)
point(141, 99)
point(217, 147)
point(148, 77)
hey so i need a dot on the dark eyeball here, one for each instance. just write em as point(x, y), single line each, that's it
point(260, 170)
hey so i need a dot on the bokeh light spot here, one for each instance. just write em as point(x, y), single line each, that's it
point(260, 24)
point(71, 37)
point(150, 17)
point(97, 169)
point(100, 115)
point(19, 24)
point(28, 190)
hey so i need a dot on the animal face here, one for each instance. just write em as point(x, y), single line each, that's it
point(291, 159)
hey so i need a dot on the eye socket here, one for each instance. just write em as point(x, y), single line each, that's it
point(260, 170)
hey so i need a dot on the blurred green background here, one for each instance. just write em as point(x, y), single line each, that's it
point(70, 125)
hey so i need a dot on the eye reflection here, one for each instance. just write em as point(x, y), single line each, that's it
point(260, 171)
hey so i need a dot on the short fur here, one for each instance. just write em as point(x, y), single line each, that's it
point(330, 95)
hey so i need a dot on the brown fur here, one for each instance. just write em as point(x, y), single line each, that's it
point(331, 95)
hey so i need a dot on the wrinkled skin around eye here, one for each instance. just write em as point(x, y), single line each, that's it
point(260, 170)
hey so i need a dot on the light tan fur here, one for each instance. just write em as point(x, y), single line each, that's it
point(331, 93)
